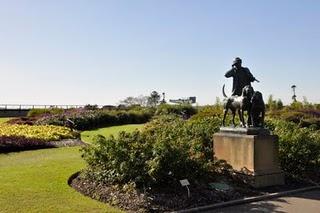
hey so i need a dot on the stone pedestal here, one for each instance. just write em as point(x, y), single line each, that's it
point(252, 152)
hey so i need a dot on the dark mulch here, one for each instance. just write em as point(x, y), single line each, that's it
point(17, 144)
point(171, 198)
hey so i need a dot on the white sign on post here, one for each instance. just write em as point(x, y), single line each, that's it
point(184, 182)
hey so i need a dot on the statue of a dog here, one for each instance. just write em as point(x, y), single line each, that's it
point(238, 103)
point(257, 109)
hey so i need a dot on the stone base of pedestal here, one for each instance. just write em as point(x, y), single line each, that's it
point(252, 153)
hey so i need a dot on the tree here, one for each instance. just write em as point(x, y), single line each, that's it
point(306, 103)
point(131, 101)
point(141, 100)
point(218, 102)
point(153, 99)
point(271, 104)
point(279, 104)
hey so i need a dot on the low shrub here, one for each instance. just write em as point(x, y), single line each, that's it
point(168, 149)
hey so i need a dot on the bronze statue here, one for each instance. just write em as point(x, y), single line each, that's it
point(241, 76)
point(243, 97)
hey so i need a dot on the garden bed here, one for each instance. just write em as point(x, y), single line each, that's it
point(25, 137)
point(172, 198)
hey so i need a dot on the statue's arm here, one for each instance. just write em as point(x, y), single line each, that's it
point(229, 74)
point(251, 77)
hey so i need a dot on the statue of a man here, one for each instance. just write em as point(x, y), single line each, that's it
point(241, 76)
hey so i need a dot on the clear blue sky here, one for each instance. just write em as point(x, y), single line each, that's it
point(99, 52)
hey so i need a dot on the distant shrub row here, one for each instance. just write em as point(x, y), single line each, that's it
point(41, 112)
point(91, 119)
point(184, 110)
point(302, 117)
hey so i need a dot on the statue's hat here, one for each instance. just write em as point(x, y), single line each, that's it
point(237, 60)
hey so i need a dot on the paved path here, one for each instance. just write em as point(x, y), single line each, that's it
point(305, 202)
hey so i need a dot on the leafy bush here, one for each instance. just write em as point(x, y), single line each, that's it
point(299, 148)
point(179, 109)
point(168, 149)
point(117, 160)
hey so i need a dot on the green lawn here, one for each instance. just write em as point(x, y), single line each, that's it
point(36, 181)
point(2, 120)
point(87, 136)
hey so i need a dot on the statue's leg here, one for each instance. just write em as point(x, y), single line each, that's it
point(249, 118)
point(252, 118)
point(241, 117)
point(224, 116)
point(255, 119)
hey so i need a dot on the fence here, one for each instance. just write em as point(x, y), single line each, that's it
point(4, 107)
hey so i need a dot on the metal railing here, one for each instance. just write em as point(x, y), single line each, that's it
point(36, 106)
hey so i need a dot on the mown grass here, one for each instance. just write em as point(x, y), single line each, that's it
point(87, 136)
point(36, 181)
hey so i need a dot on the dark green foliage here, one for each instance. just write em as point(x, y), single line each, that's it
point(299, 148)
point(118, 160)
point(179, 109)
point(168, 149)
